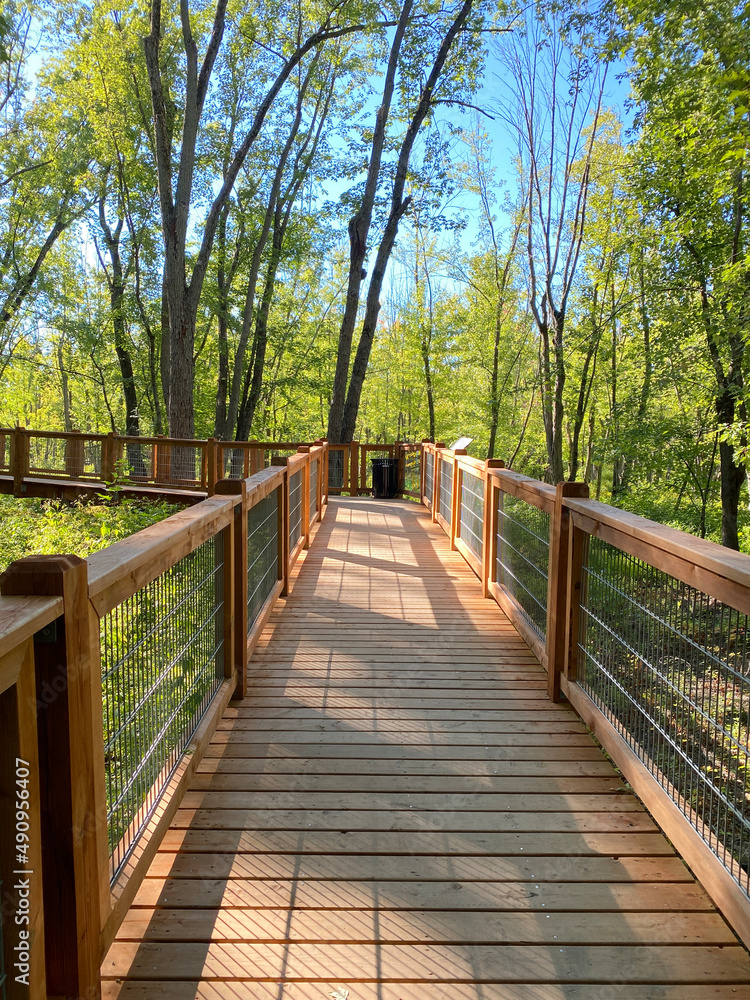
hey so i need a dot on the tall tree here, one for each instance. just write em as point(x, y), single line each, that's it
point(184, 273)
point(691, 80)
point(559, 89)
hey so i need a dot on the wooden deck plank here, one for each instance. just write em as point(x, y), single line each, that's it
point(397, 809)
point(426, 963)
point(208, 861)
point(187, 990)
point(397, 926)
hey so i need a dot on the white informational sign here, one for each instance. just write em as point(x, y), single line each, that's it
point(461, 443)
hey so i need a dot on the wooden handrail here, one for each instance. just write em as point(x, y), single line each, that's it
point(119, 571)
point(20, 619)
point(713, 568)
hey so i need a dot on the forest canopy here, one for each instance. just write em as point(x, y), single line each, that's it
point(379, 221)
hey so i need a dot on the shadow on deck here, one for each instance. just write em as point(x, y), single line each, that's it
point(397, 810)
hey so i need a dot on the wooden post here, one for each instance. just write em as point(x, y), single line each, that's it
point(305, 449)
point(558, 608)
point(322, 475)
point(18, 711)
point(283, 527)
point(107, 468)
point(399, 453)
point(74, 456)
point(211, 466)
point(162, 464)
point(19, 459)
point(363, 466)
point(353, 469)
point(489, 533)
point(71, 766)
point(235, 658)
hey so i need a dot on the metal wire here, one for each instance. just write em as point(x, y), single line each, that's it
point(162, 662)
point(233, 463)
point(313, 488)
point(4, 452)
point(446, 491)
point(669, 667)
point(412, 472)
point(335, 468)
point(136, 462)
point(179, 465)
point(472, 512)
point(522, 560)
point(262, 553)
point(74, 457)
point(429, 475)
point(295, 509)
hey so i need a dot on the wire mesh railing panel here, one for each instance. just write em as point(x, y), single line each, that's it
point(234, 463)
point(179, 465)
point(412, 472)
point(522, 559)
point(313, 489)
point(670, 667)
point(46, 454)
point(295, 509)
point(162, 663)
point(429, 475)
point(262, 553)
point(92, 459)
point(446, 491)
point(336, 468)
point(72, 457)
point(135, 462)
point(472, 513)
point(4, 452)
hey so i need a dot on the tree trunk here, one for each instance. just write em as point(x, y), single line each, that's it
point(399, 207)
point(359, 230)
point(116, 282)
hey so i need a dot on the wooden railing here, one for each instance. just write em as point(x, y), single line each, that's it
point(643, 628)
point(114, 672)
point(190, 465)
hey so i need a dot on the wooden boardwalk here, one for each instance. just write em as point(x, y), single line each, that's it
point(398, 811)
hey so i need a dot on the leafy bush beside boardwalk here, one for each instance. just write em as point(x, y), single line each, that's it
point(29, 525)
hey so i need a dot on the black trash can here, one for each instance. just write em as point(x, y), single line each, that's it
point(384, 478)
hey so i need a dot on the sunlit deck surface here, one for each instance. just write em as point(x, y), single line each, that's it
point(398, 811)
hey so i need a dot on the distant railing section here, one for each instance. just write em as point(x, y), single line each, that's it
point(138, 654)
point(429, 476)
point(47, 458)
point(411, 465)
point(5, 449)
point(645, 630)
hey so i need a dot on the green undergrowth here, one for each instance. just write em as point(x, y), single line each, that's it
point(29, 525)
